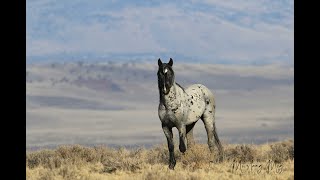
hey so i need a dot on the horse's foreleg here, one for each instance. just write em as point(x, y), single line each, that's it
point(183, 138)
point(168, 133)
point(189, 131)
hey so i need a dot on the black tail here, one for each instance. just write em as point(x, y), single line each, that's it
point(217, 140)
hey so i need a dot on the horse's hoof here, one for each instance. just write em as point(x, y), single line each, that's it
point(182, 148)
point(171, 166)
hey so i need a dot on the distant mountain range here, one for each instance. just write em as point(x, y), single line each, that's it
point(116, 103)
point(146, 57)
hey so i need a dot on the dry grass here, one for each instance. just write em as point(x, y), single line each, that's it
point(268, 161)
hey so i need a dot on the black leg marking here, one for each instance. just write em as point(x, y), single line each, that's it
point(189, 131)
point(169, 135)
point(183, 139)
point(218, 143)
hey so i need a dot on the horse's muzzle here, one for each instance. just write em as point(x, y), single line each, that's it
point(166, 90)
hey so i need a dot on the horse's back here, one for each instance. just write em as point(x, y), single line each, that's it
point(201, 90)
point(202, 101)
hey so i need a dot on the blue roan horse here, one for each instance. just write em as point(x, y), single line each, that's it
point(182, 108)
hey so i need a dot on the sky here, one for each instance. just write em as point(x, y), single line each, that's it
point(207, 31)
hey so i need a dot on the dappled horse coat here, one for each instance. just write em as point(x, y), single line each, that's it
point(182, 108)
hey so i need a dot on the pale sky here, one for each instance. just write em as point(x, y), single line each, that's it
point(210, 31)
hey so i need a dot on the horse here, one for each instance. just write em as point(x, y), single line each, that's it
point(182, 108)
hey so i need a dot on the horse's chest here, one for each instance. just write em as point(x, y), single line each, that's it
point(168, 116)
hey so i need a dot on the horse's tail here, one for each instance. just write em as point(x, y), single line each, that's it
point(217, 140)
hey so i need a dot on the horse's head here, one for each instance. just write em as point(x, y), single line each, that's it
point(165, 76)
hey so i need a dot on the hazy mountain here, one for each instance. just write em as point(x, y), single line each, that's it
point(116, 103)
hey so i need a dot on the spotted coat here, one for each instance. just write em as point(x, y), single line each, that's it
point(182, 108)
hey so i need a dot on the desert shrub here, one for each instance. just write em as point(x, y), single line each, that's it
point(45, 158)
point(69, 172)
point(77, 154)
point(158, 154)
point(197, 153)
point(80, 162)
point(124, 160)
point(281, 151)
point(243, 153)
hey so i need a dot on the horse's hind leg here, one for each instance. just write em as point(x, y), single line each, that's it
point(189, 130)
point(209, 123)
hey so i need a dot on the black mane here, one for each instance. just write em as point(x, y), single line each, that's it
point(180, 87)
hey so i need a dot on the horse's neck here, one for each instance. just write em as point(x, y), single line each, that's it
point(173, 99)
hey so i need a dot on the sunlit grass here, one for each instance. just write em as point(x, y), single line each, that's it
point(267, 161)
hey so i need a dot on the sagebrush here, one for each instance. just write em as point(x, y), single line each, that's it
point(79, 162)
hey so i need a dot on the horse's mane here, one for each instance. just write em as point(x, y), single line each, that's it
point(181, 87)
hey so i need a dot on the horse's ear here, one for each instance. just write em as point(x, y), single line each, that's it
point(159, 62)
point(170, 62)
